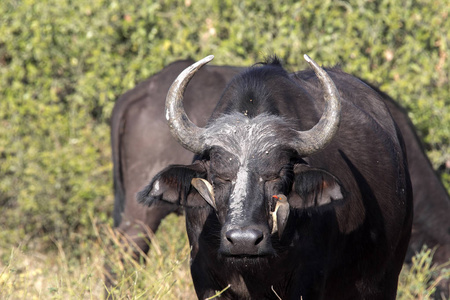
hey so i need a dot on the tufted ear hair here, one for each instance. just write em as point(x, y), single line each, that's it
point(315, 187)
point(171, 185)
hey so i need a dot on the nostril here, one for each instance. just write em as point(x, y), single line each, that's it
point(229, 235)
point(244, 236)
point(259, 238)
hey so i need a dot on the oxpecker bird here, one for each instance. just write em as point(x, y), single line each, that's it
point(280, 214)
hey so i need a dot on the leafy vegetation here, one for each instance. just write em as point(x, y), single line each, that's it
point(64, 63)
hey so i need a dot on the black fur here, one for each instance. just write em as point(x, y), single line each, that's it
point(350, 204)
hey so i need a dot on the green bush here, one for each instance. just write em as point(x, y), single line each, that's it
point(64, 63)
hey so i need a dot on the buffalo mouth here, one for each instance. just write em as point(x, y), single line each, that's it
point(248, 256)
point(245, 262)
point(260, 252)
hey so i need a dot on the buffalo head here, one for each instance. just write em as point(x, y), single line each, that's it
point(249, 171)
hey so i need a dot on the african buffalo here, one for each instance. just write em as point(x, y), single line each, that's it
point(140, 151)
point(299, 188)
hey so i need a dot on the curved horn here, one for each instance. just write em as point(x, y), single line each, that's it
point(185, 132)
point(318, 137)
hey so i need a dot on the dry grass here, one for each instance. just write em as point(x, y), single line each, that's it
point(421, 279)
point(163, 273)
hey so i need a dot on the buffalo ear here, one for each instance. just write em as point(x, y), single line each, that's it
point(171, 184)
point(315, 187)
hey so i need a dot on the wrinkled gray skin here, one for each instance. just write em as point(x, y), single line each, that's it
point(142, 146)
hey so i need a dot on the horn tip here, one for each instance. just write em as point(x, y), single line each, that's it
point(313, 64)
point(310, 61)
point(209, 58)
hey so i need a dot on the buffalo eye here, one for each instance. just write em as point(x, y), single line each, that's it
point(271, 177)
point(220, 179)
